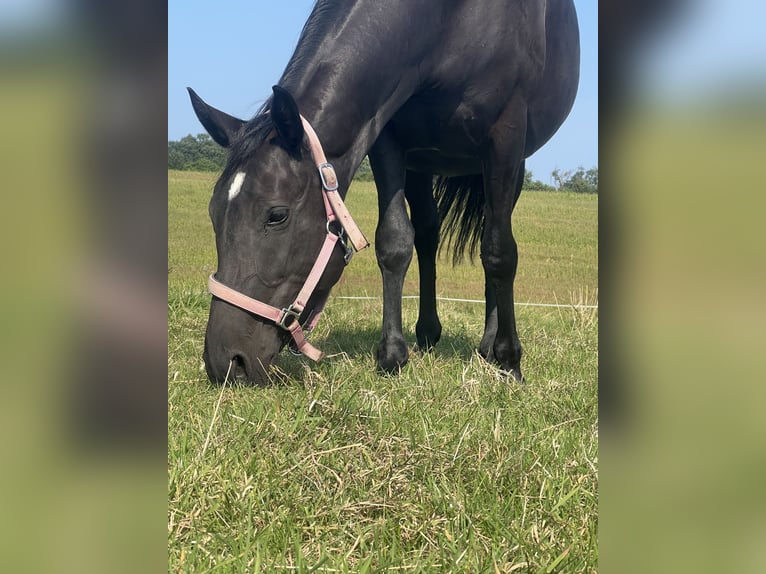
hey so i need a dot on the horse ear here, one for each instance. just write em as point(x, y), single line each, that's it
point(287, 119)
point(221, 126)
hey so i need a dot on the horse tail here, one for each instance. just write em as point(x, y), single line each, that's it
point(460, 203)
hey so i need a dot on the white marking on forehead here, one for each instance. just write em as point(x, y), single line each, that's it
point(236, 185)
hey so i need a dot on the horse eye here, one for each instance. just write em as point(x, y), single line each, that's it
point(277, 216)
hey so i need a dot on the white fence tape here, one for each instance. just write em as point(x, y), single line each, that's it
point(453, 300)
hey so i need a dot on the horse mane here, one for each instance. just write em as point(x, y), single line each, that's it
point(313, 33)
point(259, 129)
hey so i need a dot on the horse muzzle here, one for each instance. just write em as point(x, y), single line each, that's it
point(239, 348)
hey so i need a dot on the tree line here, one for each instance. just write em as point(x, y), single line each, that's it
point(578, 181)
point(201, 153)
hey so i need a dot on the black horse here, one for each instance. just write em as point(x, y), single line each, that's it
point(447, 99)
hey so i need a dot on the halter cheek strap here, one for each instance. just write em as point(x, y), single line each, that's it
point(330, 190)
point(288, 318)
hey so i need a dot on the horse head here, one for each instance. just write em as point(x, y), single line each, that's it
point(270, 223)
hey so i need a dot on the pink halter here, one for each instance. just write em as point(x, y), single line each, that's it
point(288, 318)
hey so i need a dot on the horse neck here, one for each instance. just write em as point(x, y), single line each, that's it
point(346, 85)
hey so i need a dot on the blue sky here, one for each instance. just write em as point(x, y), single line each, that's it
point(232, 51)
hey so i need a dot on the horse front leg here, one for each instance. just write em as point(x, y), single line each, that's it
point(425, 220)
point(503, 177)
point(394, 241)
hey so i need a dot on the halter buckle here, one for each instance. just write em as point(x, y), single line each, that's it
point(329, 181)
point(288, 316)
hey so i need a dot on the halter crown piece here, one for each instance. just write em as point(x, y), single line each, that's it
point(288, 318)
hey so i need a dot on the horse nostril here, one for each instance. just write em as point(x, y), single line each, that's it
point(237, 368)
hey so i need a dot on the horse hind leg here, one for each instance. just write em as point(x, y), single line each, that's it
point(490, 318)
point(503, 177)
point(490, 323)
point(418, 190)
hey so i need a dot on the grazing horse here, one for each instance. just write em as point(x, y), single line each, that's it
point(447, 99)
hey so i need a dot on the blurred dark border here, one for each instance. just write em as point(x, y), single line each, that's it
point(682, 437)
point(627, 29)
point(83, 340)
point(121, 392)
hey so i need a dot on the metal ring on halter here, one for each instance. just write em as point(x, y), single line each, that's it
point(293, 351)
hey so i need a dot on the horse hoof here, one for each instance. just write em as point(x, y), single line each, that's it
point(392, 356)
point(487, 354)
point(513, 372)
point(426, 344)
point(427, 337)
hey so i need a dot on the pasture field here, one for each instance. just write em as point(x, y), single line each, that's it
point(447, 467)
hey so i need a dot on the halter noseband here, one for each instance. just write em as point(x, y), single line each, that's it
point(288, 318)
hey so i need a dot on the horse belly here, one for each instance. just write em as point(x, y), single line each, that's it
point(440, 140)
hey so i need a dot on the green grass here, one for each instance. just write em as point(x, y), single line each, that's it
point(447, 467)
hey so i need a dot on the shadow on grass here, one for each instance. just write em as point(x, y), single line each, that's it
point(360, 344)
